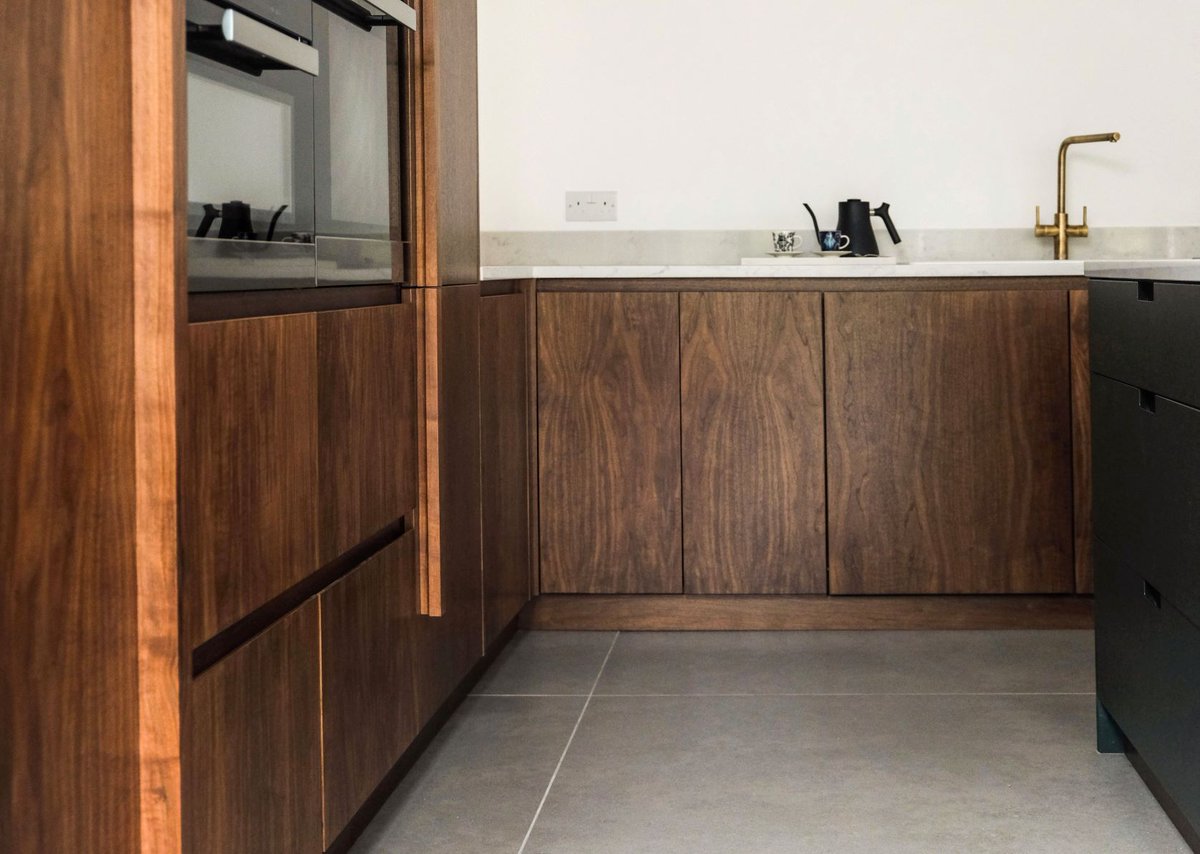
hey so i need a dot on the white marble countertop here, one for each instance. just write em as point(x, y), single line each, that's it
point(919, 269)
point(1177, 270)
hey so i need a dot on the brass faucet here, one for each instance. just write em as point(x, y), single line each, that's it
point(1061, 230)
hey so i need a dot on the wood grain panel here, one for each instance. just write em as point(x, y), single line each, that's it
point(367, 433)
point(368, 703)
point(446, 152)
point(753, 443)
point(949, 443)
point(250, 467)
point(449, 645)
point(1081, 433)
point(254, 757)
point(504, 438)
point(608, 443)
point(89, 724)
point(804, 613)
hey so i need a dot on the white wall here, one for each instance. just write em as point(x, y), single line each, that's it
point(707, 115)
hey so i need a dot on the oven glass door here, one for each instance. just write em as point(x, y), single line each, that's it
point(250, 166)
point(359, 175)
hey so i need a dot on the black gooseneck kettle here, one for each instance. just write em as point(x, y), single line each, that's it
point(236, 223)
point(854, 220)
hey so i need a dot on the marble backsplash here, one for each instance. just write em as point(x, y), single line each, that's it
point(585, 248)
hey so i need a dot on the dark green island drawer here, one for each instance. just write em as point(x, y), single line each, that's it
point(1145, 334)
point(1146, 473)
point(1148, 677)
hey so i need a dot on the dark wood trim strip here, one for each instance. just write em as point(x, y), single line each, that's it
point(375, 801)
point(794, 613)
point(880, 283)
point(230, 305)
point(1190, 834)
point(264, 616)
point(500, 288)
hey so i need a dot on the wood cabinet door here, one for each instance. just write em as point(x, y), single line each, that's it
point(949, 431)
point(753, 443)
point(367, 439)
point(504, 438)
point(253, 745)
point(608, 443)
point(368, 702)
point(248, 467)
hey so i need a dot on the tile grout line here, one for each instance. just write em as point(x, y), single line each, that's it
point(817, 694)
point(702, 694)
point(546, 794)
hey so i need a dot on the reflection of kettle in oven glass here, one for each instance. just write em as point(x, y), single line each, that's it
point(236, 221)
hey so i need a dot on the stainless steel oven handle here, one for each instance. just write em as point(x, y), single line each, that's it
point(398, 10)
point(246, 32)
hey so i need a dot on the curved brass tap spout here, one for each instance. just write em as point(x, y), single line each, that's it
point(1061, 229)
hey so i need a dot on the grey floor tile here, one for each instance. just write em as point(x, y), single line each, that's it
point(478, 785)
point(850, 662)
point(996, 773)
point(547, 663)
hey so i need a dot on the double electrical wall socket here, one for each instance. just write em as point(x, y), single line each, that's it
point(592, 206)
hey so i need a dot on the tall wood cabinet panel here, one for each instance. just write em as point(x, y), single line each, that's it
point(753, 443)
point(450, 644)
point(447, 146)
point(89, 160)
point(368, 703)
point(253, 766)
point(949, 431)
point(366, 367)
point(249, 471)
point(504, 437)
point(608, 443)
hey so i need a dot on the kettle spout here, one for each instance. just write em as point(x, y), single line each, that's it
point(816, 228)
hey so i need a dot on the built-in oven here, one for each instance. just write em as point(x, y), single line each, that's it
point(295, 136)
point(251, 73)
point(361, 216)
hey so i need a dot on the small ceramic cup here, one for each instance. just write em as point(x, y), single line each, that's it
point(783, 241)
point(834, 241)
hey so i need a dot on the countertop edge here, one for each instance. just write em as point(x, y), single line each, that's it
point(919, 270)
point(1165, 270)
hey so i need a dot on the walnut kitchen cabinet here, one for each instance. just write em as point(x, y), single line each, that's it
point(253, 767)
point(608, 443)
point(949, 432)
point(367, 416)
point(504, 437)
point(249, 467)
point(368, 703)
point(753, 443)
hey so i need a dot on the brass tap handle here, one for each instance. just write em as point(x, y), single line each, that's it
point(1079, 230)
point(1040, 230)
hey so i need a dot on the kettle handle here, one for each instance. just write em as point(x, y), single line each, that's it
point(210, 213)
point(883, 213)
